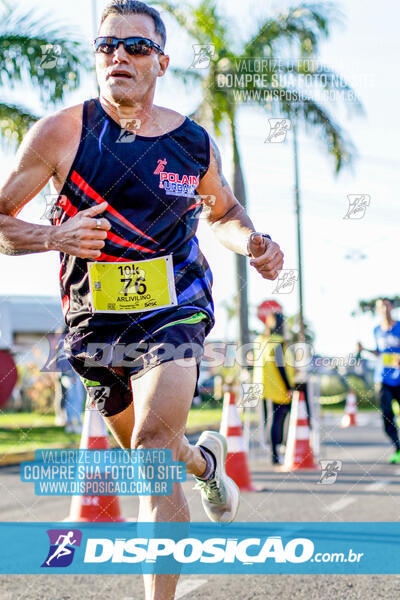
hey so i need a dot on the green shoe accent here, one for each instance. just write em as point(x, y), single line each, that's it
point(89, 383)
point(196, 318)
point(395, 458)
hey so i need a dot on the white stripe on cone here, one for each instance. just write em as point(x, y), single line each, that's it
point(301, 410)
point(302, 432)
point(351, 404)
point(93, 426)
point(230, 416)
point(235, 444)
point(296, 432)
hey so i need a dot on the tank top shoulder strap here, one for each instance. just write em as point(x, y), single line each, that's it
point(93, 119)
point(93, 122)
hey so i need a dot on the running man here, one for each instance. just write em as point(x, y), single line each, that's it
point(62, 549)
point(136, 289)
point(387, 374)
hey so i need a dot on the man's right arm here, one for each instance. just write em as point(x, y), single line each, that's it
point(360, 348)
point(35, 163)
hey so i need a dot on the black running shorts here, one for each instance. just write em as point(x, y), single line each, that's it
point(107, 361)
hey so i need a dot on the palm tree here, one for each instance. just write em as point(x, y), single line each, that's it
point(301, 28)
point(35, 52)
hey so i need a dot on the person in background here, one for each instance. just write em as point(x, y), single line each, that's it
point(387, 373)
point(274, 373)
point(69, 392)
point(74, 401)
point(59, 401)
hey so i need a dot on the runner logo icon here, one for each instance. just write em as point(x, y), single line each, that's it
point(160, 166)
point(62, 547)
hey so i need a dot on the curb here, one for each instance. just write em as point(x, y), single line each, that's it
point(16, 458)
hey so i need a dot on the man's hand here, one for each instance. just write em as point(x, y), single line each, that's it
point(83, 235)
point(267, 256)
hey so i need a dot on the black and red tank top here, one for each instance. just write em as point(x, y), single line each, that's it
point(150, 184)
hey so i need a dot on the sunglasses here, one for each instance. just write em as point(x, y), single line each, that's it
point(133, 45)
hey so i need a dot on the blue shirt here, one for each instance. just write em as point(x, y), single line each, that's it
point(388, 343)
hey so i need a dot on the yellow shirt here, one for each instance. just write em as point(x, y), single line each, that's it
point(265, 370)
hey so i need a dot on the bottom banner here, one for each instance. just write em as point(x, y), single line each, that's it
point(242, 548)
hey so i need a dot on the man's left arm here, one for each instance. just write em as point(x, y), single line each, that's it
point(231, 224)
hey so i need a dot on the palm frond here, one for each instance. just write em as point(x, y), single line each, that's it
point(182, 13)
point(325, 78)
point(37, 51)
point(300, 76)
point(212, 25)
point(187, 76)
point(202, 23)
point(320, 122)
point(14, 122)
point(304, 24)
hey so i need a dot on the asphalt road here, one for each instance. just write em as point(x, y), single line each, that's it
point(367, 489)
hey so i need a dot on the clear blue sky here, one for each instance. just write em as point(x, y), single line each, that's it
point(365, 50)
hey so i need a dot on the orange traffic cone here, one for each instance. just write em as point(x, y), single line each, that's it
point(94, 508)
point(350, 411)
point(299, 454)
point(236, 465)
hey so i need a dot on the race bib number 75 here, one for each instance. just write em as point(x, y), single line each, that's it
point(132, 286)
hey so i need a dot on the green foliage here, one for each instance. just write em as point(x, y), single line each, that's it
point(334, 389)
point(35, 52)
point(307, 23)
point(27, 439)
point(333, 385)
point(365, 394)
point(300, 29)
point(14, 122)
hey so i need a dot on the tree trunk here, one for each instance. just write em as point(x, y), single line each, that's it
point(241, 261)
point(298, 227)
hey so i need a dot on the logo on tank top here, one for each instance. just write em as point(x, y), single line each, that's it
point(174, 184)
point(160, 166)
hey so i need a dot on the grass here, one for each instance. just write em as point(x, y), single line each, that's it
point(204, 416)
point(25, 419)
point(23, 432)
point(23, 439)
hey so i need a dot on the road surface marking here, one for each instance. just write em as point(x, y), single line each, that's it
point(376, 485)
point(342, 503)
point(347, 500)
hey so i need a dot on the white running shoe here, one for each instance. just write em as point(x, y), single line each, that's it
point(220, 495)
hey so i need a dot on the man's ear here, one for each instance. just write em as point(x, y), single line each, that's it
point(164, 62)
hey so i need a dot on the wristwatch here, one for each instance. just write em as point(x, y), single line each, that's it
point(264, 235)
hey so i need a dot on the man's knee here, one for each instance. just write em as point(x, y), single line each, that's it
point(154, 437)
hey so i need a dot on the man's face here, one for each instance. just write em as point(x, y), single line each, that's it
point(270, 321)
point(125, 79)
point(383, 308)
